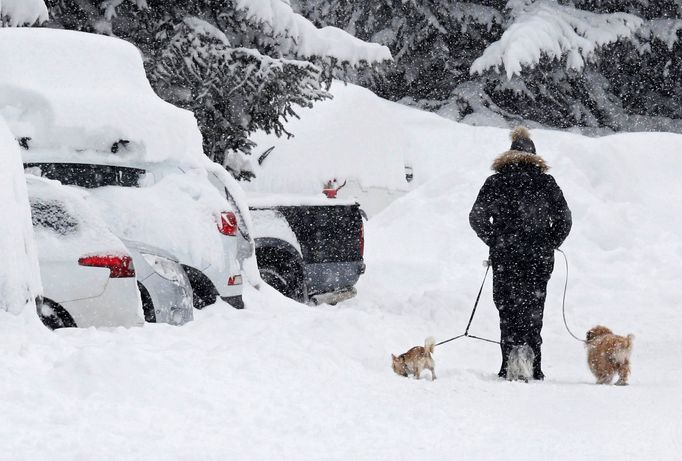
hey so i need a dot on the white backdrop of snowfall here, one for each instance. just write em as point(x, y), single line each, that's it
point(283, 381)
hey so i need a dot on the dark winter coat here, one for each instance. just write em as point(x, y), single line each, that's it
point(520, 212)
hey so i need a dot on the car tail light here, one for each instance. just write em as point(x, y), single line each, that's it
point(235, 280)
point(228, 223)
point(362, 240)
point(119, 266)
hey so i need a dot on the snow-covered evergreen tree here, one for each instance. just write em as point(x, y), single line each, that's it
point(239, 65)
point(22, 12)
point(433, 41)
point(594, 63)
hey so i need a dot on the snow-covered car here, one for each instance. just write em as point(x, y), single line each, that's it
point(104, 128)
point(164, 287)
point(88, 274)
point(19, 275)
point(160, 205)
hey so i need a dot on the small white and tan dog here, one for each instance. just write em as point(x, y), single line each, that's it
point(415, 360)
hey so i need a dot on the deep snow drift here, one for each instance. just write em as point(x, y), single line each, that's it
point(19, 274)
point(283, 381)
point(86, 91)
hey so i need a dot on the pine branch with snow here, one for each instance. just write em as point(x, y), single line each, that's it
point(232, 91)
point(15, 13)
point(544, 28)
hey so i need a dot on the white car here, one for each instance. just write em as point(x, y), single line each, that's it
point(88, 275)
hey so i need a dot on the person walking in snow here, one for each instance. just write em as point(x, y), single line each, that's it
point(521, 215)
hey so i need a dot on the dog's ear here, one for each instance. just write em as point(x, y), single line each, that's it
point(393, 357)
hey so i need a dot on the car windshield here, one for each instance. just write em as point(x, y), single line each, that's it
point(88, 175)
point(52, 216)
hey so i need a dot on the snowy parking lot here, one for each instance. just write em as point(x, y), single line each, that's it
point(283, 381)
point(120, 216)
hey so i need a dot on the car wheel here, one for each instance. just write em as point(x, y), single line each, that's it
point(204, 293)
point(147, 304)
point(282, 272)
point(53, 315)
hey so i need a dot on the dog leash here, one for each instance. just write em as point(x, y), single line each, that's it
point(478, 298)
point(471, 318)
point(563, 301)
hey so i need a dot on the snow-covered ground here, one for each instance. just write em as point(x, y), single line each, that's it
point(283, 381)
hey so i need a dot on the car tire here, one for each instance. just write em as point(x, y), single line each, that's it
point(53, 315)
point(147, 304)
point(282, 272)
point(204, 292)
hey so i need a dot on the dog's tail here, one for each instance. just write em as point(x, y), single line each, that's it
point(630, 339)
point(429, 345)
point(622, 355)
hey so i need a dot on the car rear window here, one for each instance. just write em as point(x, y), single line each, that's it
point(52, 216)
point(88, 175)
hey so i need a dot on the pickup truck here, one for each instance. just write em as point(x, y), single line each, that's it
point(308, 248)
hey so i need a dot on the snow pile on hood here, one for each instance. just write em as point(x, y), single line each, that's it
point(86, 91)
point(80, 231)
point(179, 214)
point(23, 12)
point(19, 274)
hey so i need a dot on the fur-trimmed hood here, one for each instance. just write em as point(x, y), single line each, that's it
point(515, 157)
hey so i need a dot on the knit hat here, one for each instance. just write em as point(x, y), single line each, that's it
point(521, 140)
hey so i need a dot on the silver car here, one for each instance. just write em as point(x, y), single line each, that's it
point(164, 287)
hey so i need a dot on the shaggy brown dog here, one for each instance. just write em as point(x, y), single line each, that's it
point(415, 360)
point(608, 355)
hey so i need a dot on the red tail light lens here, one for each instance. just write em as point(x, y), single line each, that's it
point(362, 240)
point(119, 266)
point(228, 224)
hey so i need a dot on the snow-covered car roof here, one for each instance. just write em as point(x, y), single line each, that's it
point(86, 91)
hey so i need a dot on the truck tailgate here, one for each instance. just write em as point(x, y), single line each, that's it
point(327, 234)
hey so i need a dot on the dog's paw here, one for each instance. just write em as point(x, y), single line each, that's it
point(621, 383)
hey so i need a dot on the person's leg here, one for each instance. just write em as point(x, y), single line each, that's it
point(506, 295)
point(502, 285)
point(539, 279)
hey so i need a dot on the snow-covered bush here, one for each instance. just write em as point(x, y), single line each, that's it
point(238, 65)
point(22, 12)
